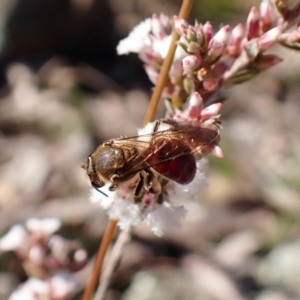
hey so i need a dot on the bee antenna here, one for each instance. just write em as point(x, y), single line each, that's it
point(98, 190)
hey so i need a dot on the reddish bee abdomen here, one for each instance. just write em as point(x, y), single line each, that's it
point(181, 169)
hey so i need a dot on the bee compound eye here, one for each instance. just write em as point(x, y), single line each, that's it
point(109, 160)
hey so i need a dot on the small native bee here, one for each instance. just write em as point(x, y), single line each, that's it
point(171, 152)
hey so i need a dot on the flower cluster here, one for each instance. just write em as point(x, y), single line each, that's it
point(161, 211)
point(48, 260)
point(206, 60)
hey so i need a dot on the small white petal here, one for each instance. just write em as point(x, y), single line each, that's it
point(193, 189)
point(128, 214)
point(37, 254)
point(165, 218)
point(62, 285)
point(15, 238)
point(32, 289)
point(105, 200)
point(45, 227)
point(161, 48)
point(137, 39)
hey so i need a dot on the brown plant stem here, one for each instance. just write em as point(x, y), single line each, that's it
point(106, 240)
point(164, 72)
point(149, 116)
point(111, 263)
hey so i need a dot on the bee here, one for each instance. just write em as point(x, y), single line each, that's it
point(172, 152)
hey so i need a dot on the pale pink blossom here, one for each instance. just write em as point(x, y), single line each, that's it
point(252, 26)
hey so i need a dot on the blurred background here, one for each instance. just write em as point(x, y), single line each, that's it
point(63, 91)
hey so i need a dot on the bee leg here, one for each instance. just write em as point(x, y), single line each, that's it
point(108, 143)
point(139, 189)
point(113, 185)
point(163, 121)
point(151, 183)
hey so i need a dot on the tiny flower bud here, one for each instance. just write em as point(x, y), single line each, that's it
point(148, 57)
point(210, 84)
point(202, 74)
point(217, 151)
point(267, 15)
point(269, 38)
point(290, 37)
point(218, 44)
point(222, 35)
point(252, 49)
point(215, 53)
point(157, 27)
point(190, 63)
point(264, 62)
point(234, 42)
point(211, 110)
point(282, 6)
point(188, 85)
point(195, 106)
point(208, 32)
point(252, 29)
point(221, 66)
point(152, 73)
point(191, 34)
point(180, 25)
point(193, 48)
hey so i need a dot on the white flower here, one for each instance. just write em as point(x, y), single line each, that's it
point(161, 212)
point(166, 217)
point(161, 48)
point(62, 285)
point(45, 227)
point(193, 189)
point(150, 39)
point(15, 238)
point(137, 39)
point(32, 289)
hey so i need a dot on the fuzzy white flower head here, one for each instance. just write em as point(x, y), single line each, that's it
point(138, 38)
point(162, 211)
point(14, 239)
point(45, 227)
point(62, 285)
point(32, 289)
point(150, 39)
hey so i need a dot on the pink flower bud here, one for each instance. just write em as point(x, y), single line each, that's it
point(234, 42)
point(190, 63)
point(180, 25)
point(252, 24)
point(269, 38)
point(211, 84)
point(217, 151)
point(264, 62)
point(195, 106)
point(188, 85)
point(157, 27)
point(267, 15)
point(222, 66)
point(148, 57)
point(211, 111)
point(208, 32)
point(193, 48)
point(152, 73)
point(217, 44)
point(282, 6)
point(191, 34)
point(222, 36)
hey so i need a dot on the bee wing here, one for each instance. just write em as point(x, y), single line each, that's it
point(162, 146)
